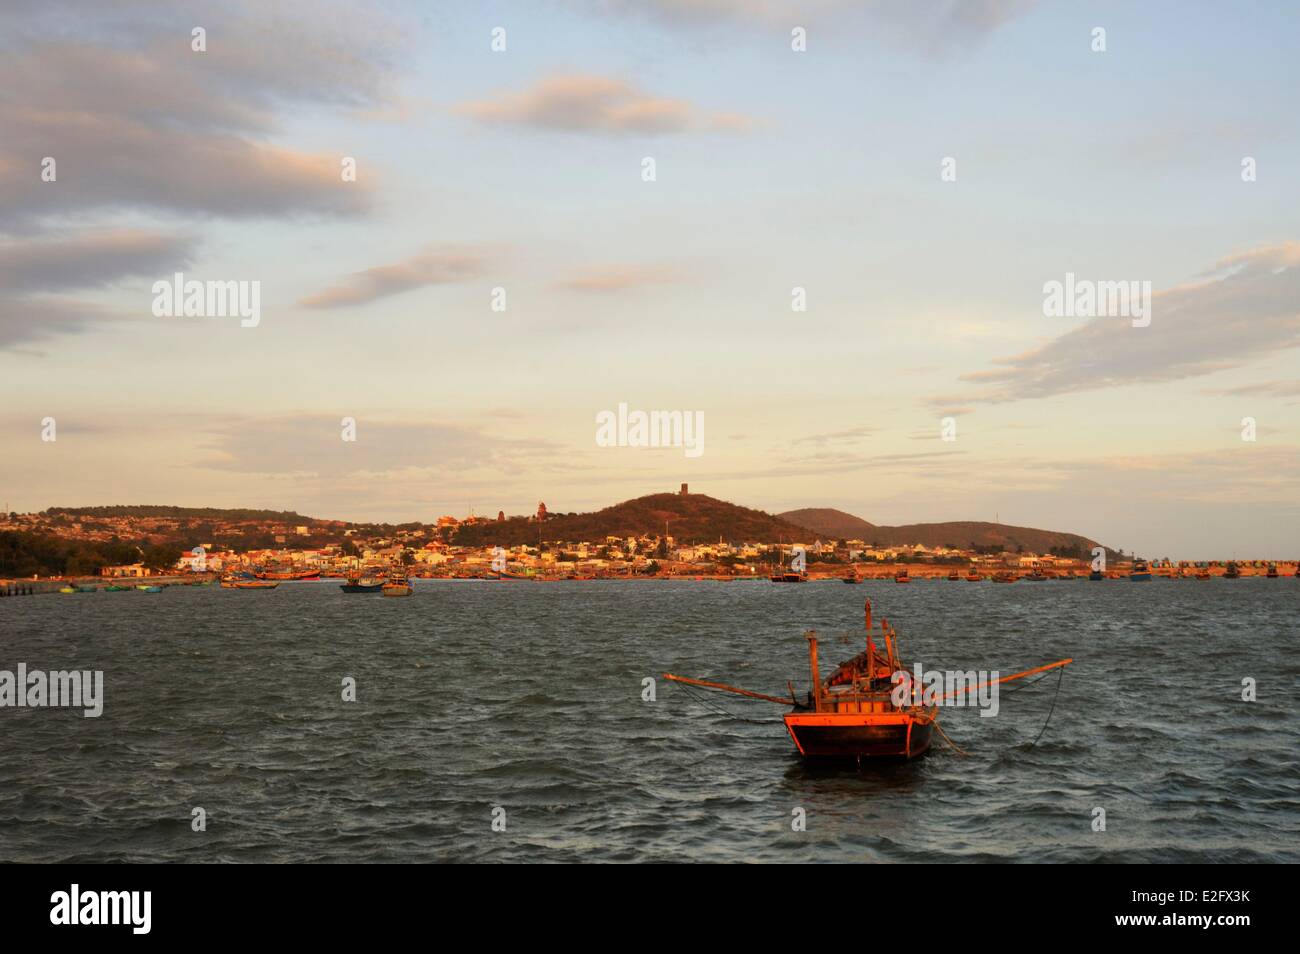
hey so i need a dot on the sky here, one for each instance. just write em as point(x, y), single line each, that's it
point(501, 269)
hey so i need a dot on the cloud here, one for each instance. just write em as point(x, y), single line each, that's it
point(932, 28)
point(1244, 307)
point(311, 447)
point(1263, 389)
point(88, 258)
point(575, 102)
point(80, 259)
point(853, 435)
point(136, 120)
point(432, 267)
point(613, 278)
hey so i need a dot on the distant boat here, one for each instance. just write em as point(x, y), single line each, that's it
point(398, 586)
point(114, 588)
point(246, 584)
point(1233, 572)
point(87, 588)
point(788, 578)
point(1036, 577)
point(902, 577)
point(1096, 575)
point(1141, 572)
point(66, 589)
point(144, 588)
point(851, 577)
point(1004, 576)
point(362, 584)
point(954, 576)
point(1272, 571)
point(289, 575)
point(1202, 574)
point(973, 577)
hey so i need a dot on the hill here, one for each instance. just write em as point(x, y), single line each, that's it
point(690, 518)
point(832, 523)
point(964, 533)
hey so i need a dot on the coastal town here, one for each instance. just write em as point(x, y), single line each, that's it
point(193, 545)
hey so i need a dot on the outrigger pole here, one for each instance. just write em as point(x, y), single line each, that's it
point(793, 701)
point(726, 688)
point(1020, 675)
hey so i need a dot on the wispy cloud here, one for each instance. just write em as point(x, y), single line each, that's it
point(1262, 389)
point(932, 28)
point(853, 435)
point(81, 259)
point(578, 102)
point(311, 446)
point(614, 278)
point(1244, 307)
point(432, 267)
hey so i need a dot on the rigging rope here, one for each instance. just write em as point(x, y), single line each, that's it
point(719, 709)
point(1055, 696)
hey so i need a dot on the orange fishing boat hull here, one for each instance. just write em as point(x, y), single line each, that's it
point(852, 735)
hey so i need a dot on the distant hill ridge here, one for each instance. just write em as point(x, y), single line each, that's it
point(963, 533)
point(688, 518)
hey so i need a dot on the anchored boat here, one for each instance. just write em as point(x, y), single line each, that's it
point(853, 713)
point(362, 584)
point(398, 586)
point(242, 582)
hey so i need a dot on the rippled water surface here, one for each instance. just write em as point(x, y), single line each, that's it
point(528, 697)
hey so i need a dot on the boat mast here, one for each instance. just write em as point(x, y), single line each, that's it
point(811, 636)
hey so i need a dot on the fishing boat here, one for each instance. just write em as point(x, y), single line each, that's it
point(1272, 571)
point(954, 576)
point(902, 577)
point(146, 588)
point(1141, 572)
point(283, 575)
point(855, 712)
point(851, 577)
point(1096, 575)
point(973, 577)
point(115, 588)
point(362, 584)
point(788, 577)
point(1036, 577)
point(1004, 576)
point(1202, 574)
point(87, 588)
point(67, 589)
point(398, 586)
point(1232, 571)
point(244, 583)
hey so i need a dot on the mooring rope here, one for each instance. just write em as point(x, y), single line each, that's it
point(1059, 679)
point(1060, 676)
point(719, 709)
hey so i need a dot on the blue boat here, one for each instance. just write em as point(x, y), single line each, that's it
point(1141, 572)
